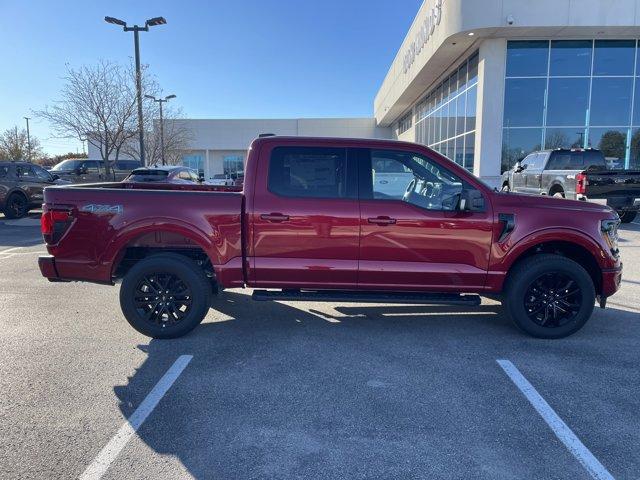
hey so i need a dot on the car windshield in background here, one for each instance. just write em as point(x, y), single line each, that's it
point(144, 175)
point(67, 166)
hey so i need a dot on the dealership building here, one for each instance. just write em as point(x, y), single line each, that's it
point(485, 82)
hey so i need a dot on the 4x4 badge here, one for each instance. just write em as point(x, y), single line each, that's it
point(96, 208)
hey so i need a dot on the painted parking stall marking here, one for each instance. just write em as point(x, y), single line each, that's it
point(561, 430)
point(111, 450)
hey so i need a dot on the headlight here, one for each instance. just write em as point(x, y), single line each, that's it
point(609, 229)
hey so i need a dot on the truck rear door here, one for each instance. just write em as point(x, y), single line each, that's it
point(305, 218)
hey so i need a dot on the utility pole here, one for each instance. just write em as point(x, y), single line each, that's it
point(28, 138)
point(152, 22)
point(161, 101)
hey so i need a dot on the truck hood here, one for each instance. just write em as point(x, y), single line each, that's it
point(546, 202)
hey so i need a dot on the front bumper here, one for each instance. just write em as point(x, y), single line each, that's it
point(611, 279)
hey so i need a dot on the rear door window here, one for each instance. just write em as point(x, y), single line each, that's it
point(314, 172)
point(559, 161)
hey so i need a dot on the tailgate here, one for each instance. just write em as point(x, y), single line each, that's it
point(609, 184)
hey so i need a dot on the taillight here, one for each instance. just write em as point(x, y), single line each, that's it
point(54, 223)
point(581, 183)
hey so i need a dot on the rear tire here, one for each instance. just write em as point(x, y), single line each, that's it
point(16, 206)
point(628, 216)
point(165, 295)
point(558, 194)
point(549, 296)
point(506, 187)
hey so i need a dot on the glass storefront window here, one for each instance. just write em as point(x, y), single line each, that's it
point(611, 101)
point(564, 138)
point(570, 58)
point(524, 102)
point(611, 141)
point(527, 58)
point(561, 112)
point(517, 143)
point(469, 150)
point(614, 57)
point(451, 115)
point(589, 97)
point(634, 161)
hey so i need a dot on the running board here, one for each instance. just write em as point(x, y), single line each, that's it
point(366, 297)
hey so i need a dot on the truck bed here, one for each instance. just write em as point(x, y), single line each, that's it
point(109, 219)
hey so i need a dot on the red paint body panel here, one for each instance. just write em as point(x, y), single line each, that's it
point(259, 239)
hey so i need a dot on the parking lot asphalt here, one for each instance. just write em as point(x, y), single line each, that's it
point(305, 390)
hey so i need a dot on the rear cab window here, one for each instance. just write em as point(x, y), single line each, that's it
point(313, 172)
point(144, 175)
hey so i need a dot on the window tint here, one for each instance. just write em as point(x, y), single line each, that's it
point(25, 171)
point(570, 58)
point(91, 166)
point(524, 102)
point(41, 173)
point(308, 172)
point(534, 161)
point(527, 58)
point(4, 171)
point(413, 179)
point(614, 57)
point(566, 161)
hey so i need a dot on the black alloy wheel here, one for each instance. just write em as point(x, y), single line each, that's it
point(549, 295)
point(163, 299)
point(552, 300)
point(165, 295)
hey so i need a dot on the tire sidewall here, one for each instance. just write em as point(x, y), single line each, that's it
point(519, 286)
point(177, 265)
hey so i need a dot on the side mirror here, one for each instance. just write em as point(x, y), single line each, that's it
point(55, 177)
point(471, 201)
point(518, 167)
point(81, 170)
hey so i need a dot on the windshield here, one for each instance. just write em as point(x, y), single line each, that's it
point(67, 165)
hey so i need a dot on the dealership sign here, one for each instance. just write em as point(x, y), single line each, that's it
point(421, 38)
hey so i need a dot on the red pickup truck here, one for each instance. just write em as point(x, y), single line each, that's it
point(324, 219)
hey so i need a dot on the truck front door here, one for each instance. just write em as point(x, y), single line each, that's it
point(305, 223)
point(419, 240)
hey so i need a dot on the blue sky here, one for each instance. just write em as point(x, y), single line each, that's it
point(223, 59)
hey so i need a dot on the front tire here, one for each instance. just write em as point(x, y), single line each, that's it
point(165, 296)
point(506, 187)
point(628, 216)
point(549, 296)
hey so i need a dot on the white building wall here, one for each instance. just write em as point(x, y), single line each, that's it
point(489, 108)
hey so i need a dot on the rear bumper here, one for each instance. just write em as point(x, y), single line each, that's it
point(47, 264)
point(611, 281)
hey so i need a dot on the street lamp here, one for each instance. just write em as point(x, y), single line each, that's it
point(28, 138)
point(152, 22)
point(161, 101)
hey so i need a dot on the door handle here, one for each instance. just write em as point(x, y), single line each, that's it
point(274, 217)
point(382, 220)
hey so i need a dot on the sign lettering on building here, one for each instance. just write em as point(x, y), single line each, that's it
point(425, 30)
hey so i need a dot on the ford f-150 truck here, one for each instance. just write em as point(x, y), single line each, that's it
point(312, 223)
point(578, 174)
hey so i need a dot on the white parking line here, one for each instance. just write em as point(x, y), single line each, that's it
point(10, 250)
point(562, 431)
point(111, 450)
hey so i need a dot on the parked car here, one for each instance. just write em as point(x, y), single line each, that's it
point(311, 224)
point(579, 175)
point(21, 187)
point(93, 171)
point(221, 179)
point(163, 174)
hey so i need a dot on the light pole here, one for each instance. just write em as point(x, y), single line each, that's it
point(161, 101)
point(28, 138)
point(152, 22)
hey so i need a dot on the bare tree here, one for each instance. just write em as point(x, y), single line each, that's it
point(14, 145)
point(176, 135)
point(98, 104)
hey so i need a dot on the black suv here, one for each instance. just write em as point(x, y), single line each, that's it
point(21, 186)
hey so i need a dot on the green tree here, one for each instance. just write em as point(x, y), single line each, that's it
point(612, 144)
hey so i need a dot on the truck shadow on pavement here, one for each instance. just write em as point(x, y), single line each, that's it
point(275, 391)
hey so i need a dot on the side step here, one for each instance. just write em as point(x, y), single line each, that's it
point(366, 297)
